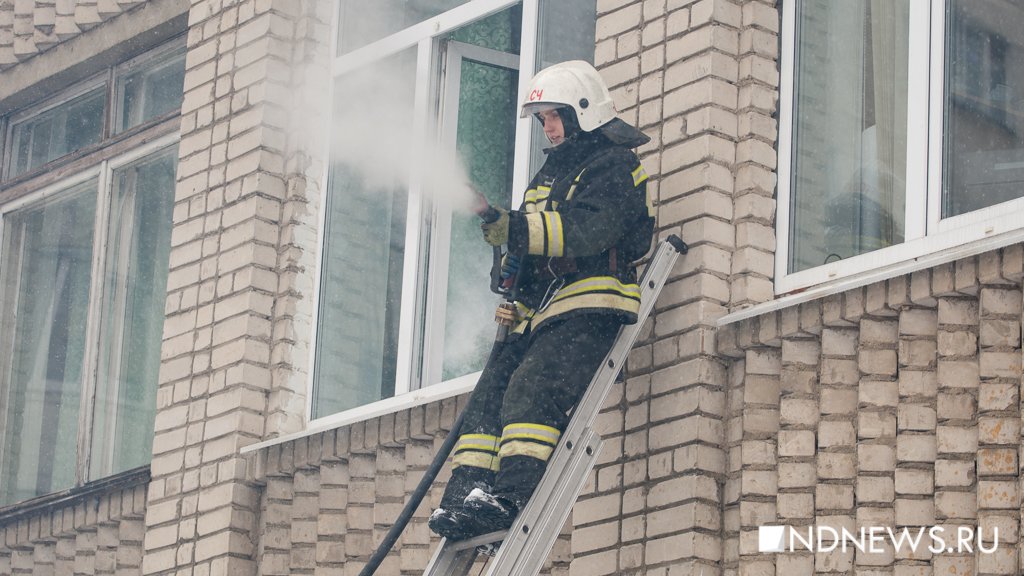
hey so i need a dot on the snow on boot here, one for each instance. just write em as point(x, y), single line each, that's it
point(491, 513)
point(444, 523)
point(464, 479)
point(449, 520)
point(453, 524)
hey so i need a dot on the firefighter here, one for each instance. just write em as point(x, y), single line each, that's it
point(585, 219)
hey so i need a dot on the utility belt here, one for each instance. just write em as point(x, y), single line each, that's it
point(562, 266)
point(604, 288)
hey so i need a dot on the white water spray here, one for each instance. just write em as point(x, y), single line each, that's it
point(372, 138)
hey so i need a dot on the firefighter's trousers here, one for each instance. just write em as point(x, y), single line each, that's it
point(522, 402)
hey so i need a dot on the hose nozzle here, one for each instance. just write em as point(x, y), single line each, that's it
point(483, 209)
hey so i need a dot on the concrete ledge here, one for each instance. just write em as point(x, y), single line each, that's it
point(879, 275)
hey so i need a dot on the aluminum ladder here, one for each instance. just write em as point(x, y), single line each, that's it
point(526, 545)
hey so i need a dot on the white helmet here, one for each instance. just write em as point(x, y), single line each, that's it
point(577, 84)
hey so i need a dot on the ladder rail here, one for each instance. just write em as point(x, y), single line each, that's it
point(589, 407)
point(525, 555)
point(528, 542)
point(553, 501)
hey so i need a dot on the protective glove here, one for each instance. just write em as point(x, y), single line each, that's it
point(496, 233)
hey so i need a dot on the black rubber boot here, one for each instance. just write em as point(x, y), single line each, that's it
point(449, 519)
point(491, 513)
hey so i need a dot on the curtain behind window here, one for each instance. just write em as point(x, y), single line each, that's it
point(486, 143)
point(44, 294)
point(131, 331)
point(850, 120)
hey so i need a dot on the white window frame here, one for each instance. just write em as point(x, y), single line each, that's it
point(102, 174)
point(926, 234)
point(417, 296)
point(441, 220)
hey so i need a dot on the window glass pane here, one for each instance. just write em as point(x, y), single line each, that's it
point(567, 30)
point(485, 142)
point(984, 149)
point(58, 131)
point(364, 244)
point(44, 293)
point(151, 91)
point(134, 292)
point(849, 129)
point(363, 22)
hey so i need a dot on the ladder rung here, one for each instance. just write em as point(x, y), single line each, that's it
point(478, 541)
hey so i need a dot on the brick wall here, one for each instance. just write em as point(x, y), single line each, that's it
point(896, 404)
point(234, 352)
point(329, 499)
point(99, 535)
point(700, 78)
point(30, 27)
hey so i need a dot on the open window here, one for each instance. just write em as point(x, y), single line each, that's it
point(404, 310)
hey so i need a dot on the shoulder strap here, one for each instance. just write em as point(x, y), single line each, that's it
point(580, 168)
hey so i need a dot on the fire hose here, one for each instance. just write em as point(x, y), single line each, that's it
point(487, 214)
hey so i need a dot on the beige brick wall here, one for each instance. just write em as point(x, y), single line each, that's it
point(240, 285)
point(97, 535)
point(329, 499)
point(700, 78)
point(30, 27)
point(896, 404)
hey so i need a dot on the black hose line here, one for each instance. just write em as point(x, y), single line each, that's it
point(487, 214)
point(428, 479)
point(414, 500)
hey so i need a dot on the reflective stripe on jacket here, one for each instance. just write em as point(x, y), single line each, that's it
point(585, 218)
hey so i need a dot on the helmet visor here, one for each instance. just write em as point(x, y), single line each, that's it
point(538, 107)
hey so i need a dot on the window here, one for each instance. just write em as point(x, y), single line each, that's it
point(901, 132)
point(47, 261)
point(144, 89)
point(149, 87)
point(83, 275)
point(403, 299)
point(51, 134)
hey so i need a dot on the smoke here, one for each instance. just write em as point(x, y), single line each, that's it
point(373, 145)
point(375, 137)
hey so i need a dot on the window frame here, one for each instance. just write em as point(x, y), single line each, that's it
point(98, 163)
point(439, 243)
point(109, 135)
point(926, 234)
point(126, 68)
point(15, 119)
point(102, 173)
point(419, 300)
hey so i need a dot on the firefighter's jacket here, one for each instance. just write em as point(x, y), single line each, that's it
point(585, 219)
